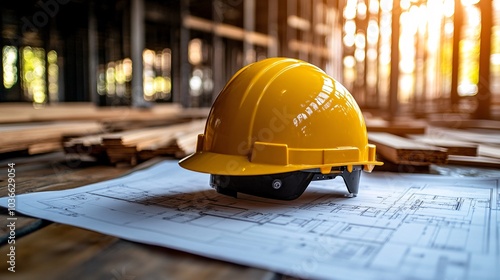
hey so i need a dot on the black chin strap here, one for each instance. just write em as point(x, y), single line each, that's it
point(283, 186)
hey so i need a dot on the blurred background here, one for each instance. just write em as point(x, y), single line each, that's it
point(403, 57)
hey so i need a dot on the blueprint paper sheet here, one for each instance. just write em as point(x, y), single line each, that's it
point(399, 226)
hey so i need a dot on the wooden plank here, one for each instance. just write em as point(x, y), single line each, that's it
point(489, 151)
point(123, 125)
point(25, 112)
point(488, 137)
point(454, 147)
point(13, 148)
point(487, 141)
point(460, 122)
point(22, 136)
point(401, 150)
point(480, 161)
point(40, 148)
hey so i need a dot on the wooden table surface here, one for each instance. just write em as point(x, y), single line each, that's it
point(47, 250)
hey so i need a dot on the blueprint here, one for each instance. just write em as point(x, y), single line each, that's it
point(398, 227)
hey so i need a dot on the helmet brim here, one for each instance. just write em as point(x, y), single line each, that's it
point(222, 164)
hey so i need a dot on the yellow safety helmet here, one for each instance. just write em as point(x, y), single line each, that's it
point(278, 124)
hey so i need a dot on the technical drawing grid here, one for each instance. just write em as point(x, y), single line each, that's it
point(399, 226)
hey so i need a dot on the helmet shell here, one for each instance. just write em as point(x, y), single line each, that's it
point(279, 115)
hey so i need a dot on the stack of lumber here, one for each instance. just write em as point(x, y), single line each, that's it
point(35, 130)
point(43, 137)
point(137, 145)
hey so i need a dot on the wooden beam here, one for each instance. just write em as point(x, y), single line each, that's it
point(23, 112)
point(488, 137)
point(483, 97)
point(479, 161)
point(458, 122)
point(454, 147)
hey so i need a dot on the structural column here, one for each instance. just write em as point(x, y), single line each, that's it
point(483, 110)
point(394, 78)
point(93, 55)
point(185, 69)
point(137, 43)
point(272, 19)
point(457, 30)
point(218, 52)
point(249, 27)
